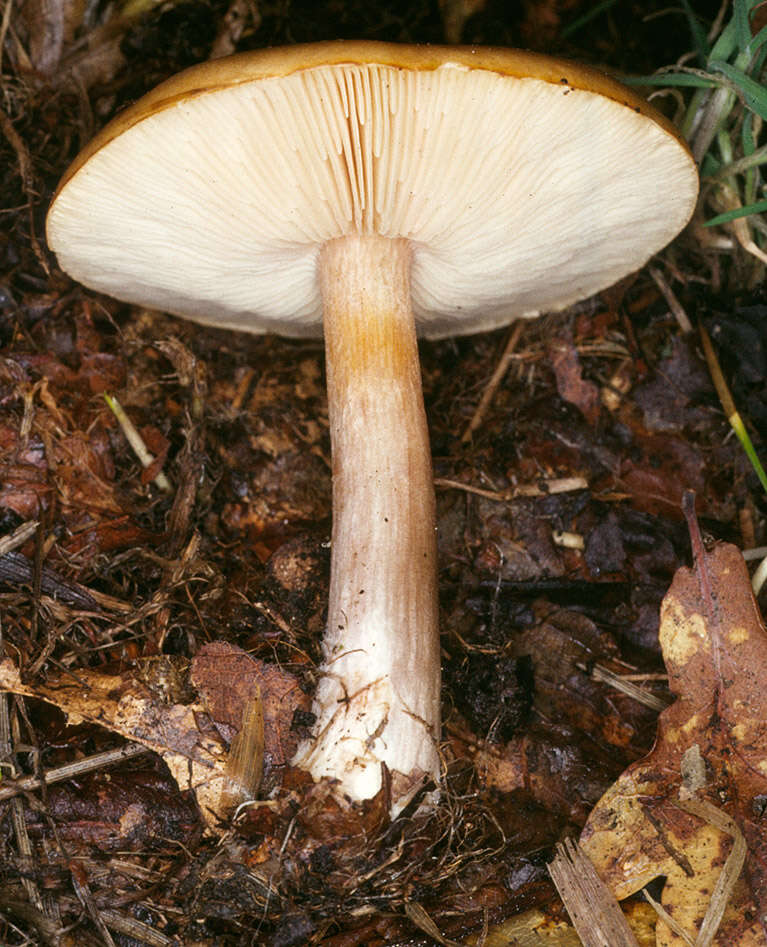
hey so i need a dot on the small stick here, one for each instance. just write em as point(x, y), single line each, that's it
point(546, 488)
point(673, 303)
point(18, 537)
point(70, 770)
point(135, 440)
point(497, 377)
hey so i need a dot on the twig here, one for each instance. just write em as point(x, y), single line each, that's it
point(135, 440)
point(497, 377)
point(18, 824)
point(70, 770)
point(16, 569)
point(673, 303)
point(545, 488)
point(83, 892)
point(18, 537)
point(135, 929)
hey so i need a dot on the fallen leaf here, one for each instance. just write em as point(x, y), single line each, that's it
point(183, 734)
point(683, 811)
point(228, 677)
point(657, 472)
point(571, 384)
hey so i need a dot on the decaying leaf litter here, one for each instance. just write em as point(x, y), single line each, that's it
point(560, 532)
point(691, 809)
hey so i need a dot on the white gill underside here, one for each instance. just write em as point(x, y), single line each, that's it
point(518, 195)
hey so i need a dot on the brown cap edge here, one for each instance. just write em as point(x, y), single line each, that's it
point(234, 70)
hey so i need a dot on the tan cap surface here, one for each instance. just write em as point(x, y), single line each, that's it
point(523, 183)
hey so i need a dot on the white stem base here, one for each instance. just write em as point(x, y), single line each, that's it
point(378, 700)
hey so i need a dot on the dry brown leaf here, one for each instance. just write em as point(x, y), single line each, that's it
point(228, 678)
point(183, 734)
point(571, 384)
point(192, 738)
point(682, 811)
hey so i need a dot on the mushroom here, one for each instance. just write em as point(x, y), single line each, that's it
point(374, 191)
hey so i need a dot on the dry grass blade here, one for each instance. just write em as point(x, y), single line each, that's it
point(664, 915)
point(732, 867)
point(417, 914)
point(759, 577)
point(245, 763)
point(134, 929)
point(733, 416)
point(640, 694)
point(593, 909)
point(728, 199)
point(82, 890)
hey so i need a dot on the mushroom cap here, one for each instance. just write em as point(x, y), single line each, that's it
point(522, 182)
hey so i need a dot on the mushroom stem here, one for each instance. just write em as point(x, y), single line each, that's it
point(378, 698)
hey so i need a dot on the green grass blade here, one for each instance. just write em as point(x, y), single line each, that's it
point(671, 79)
point(748, 142)
point(759, 40)
point(739, 427)
point(742, 24)
point(758, 208)
point(747, 134)
point(726, 43)
point(731, 412)
point(710, 166)
point(581, 21)
point(699, 37)
point(753, 92)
